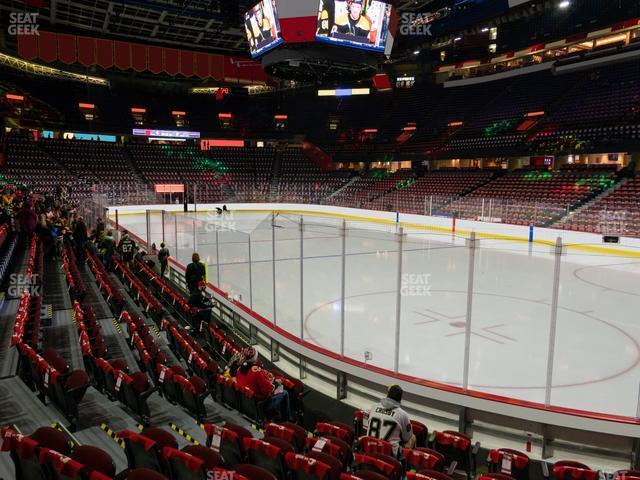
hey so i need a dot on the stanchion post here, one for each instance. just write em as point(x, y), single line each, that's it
point(343, 284)
point(554, 320)
point(467, 327)
point(396, 362)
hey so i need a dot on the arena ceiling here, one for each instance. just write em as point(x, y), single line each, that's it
point(203, 24)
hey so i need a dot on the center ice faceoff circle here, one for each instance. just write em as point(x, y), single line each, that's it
point(508, 347)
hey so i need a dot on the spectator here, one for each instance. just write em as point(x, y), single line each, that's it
point(27, 218)
point(99, 231)
point(259, 381)
point(387, 420)
point(202, 302)
point(5, 216)
point(57, 232)
point(196, 273)
point(80, 239)
point(163, 259)
point(127, 248)
point(107, 248)
point(43, 230)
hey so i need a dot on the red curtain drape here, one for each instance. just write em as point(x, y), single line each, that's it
point(139, 57)
point(216, 66)
point(48, 46)
point(87, 51)
point(28, 46)
point(67, 52)
point(122, 54)
point(104, 53)
point(202, 65)
point(171, 61)
point(186, 63)
point(155, 59)
point(231, 70)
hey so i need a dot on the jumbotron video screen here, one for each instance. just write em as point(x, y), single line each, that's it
point(263, 27)
point(354, 23)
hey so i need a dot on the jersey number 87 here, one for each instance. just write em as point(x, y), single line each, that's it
point(378, 427)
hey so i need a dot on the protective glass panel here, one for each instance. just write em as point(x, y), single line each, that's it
point(371, 292)
point(597, 355)
point(433, 305)
point(322, 275)
point(261, 230)
point(512, 291)
point(287, 267)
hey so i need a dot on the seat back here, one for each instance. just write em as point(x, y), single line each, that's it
point(292, 433)
point(249, 405)
point(423, 458)
point(228, 394)
point(253, 472)
point(228, 441)
point(496, 476)
point(568, 469)
point(59, 466)
point(307, 468)
point(375, 445)
point(379, 463)
point(455, 447)
point(332, 446)
point(268, 455)
point(509, 462)
point(421, 432)
point(183, 466)
point(94, 459)
point(24, 454)
point(428, 475)
point(627, 475)
point(141, 451)
point(342, 431)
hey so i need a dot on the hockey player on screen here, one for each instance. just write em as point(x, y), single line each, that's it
point(262, 27)
point(354, 22)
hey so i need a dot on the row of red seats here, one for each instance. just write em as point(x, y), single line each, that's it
point(22, 318)
point(53, 378)
point(199, 359)
point(72, 274)
point(27, 322)
point(35, 264)
point(47, 453)
point(186, 347)
point(161, 285)
point(150, 303)
point(89, 331)
point(132, 390)
point(142, 340)
point(105, 282)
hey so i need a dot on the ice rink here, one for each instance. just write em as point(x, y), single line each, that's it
point(597, 352)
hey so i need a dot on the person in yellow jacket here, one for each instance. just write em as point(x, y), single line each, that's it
point(354, 23)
